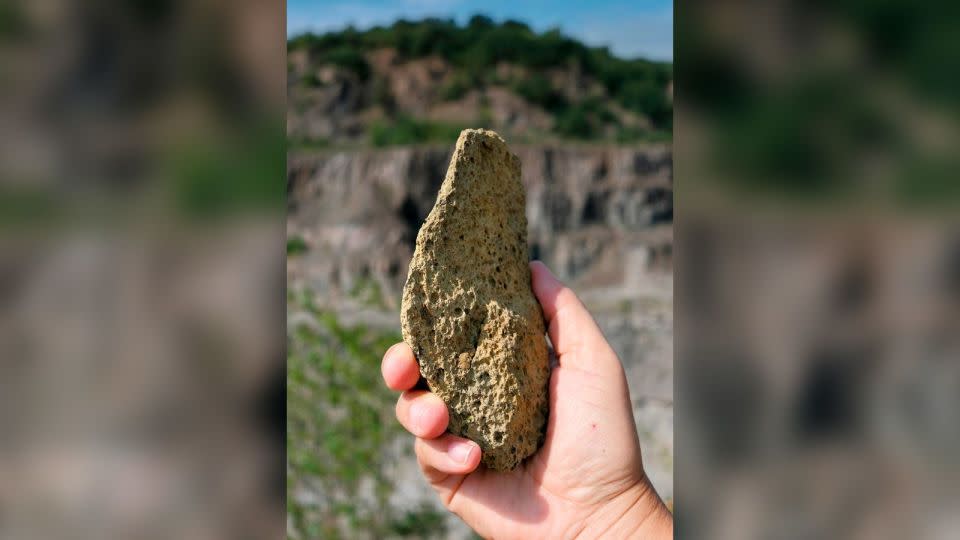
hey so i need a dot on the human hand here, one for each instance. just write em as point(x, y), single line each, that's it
point(587, 480)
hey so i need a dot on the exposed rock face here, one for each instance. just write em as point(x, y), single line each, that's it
point(468, 311)
point(598, 215)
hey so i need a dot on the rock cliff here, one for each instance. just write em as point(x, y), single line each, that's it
point(598, 215)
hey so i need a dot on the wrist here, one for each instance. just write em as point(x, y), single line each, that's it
point(652, 518)
point(637, 513)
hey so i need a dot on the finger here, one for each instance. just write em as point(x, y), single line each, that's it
point(445, 456)
point(399, 367)
point(569, 324)
point(422, 413)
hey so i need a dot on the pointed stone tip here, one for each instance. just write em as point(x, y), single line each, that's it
point(470, 134)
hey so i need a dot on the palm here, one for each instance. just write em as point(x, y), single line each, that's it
point(571, 473)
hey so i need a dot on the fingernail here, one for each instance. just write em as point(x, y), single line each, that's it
point(460, 451)
point(418, 413)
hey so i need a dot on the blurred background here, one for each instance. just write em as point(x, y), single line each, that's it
point(377, 93)
point(817, 270)
point(141, 269)
point(142, 204)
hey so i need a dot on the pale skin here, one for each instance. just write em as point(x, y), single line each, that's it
point(587, 481)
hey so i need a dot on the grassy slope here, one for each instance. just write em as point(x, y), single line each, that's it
point(340, 427)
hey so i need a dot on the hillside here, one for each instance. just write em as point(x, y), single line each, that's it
point(415, 82)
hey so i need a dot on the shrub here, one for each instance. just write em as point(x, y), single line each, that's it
point(481, 43)
point(648, 99)
point(537, 90)
point(575, 122)
point(296, 245)
point(307, 143)
point(408, 130)
point(476, 48)
point(382, 95)
point(456, 87)
point(311, 80)
point(348, 58)
point(633, 135)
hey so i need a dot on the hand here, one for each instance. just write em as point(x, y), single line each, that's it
point(587, 481)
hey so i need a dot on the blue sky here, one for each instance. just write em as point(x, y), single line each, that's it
point(638, 28)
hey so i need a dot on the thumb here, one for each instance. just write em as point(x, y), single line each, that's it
point(596, 399)
point(576, 338)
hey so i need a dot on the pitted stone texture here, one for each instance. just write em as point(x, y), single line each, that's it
point(468, 311)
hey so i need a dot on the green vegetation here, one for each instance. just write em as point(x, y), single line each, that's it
point(296, 245)
point(348, 58)
point(382, 95)
point(307, 143)
point(233, 174)
point(13, 22)
point(574, 122)
point(537, 90)
point(626, 134)
point(368, 292)
point(586, 120)
point(340, 430)
point(475, 49)
point(408, 130)
point(638, 96)
point(310, 80)
point(456, 88)
point(824, 132)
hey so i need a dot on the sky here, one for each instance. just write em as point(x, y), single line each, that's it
point(632, 29)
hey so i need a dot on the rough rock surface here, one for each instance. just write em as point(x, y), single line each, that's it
point(468, 311)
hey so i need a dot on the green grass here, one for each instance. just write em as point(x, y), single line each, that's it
point(296, 245)
point(307, 143)
point(408, 130)
point(13, 21)
point(241, 173)
point(340, 425)
point(634, 135)
point(368, 292)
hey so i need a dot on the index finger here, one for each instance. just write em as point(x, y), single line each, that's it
point(399, 367)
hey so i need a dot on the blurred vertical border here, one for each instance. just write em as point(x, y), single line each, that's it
point(142, 173)
point(817, 269)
